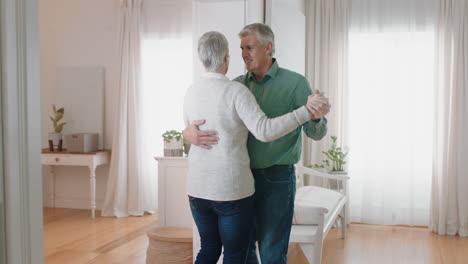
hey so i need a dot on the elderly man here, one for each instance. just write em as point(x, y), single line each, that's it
point(277, 91)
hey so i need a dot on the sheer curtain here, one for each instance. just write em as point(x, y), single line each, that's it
point(156, 68)
point(390, 106)
point(130, 191)
point(327, 24)
point(166, 73)
point(449, 209)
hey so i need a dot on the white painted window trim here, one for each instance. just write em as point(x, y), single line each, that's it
point(21, 130)
point(2, 190)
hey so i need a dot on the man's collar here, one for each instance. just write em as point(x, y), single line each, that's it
point(273, 69)
point(271, 72)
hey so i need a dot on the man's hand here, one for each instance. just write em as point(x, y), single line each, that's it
point(203, 139)
point(317, 105)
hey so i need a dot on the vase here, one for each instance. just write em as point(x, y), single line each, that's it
point(336, 184)
point(174, 148)
point(56, 139)
point(337, 172)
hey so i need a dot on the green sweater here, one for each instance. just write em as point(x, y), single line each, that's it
point(279, 92)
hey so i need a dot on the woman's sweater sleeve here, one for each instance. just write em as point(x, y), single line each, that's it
point(263, 128)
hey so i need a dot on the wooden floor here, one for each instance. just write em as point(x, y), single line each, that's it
point(71, 236)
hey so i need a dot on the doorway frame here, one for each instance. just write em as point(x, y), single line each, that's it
point(2, 176)
point(21, 130)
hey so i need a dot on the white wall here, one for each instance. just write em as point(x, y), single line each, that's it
point(78, 33)
point(227, 17)
point(298, 5)
point(287, 21)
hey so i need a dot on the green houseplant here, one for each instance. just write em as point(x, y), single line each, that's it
point(173, 143)
point(56, 137)
point(58, 115)
point(334, 161)
point(335, 158)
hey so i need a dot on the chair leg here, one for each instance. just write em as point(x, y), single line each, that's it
point(343, 222)
point(312, 252)
point(347, 214)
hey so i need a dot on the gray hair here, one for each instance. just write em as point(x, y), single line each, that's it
point(263, 32)
point(212, 48)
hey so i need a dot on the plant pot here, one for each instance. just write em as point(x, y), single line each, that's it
point(56, 139)
point(338, 172)
point(335, 184)
point(174, 148)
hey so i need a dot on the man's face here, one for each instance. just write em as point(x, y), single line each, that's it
point(255, 55)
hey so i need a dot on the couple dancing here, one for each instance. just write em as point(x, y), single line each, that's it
point(241, 185)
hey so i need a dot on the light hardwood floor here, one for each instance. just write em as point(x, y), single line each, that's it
point(71, 236)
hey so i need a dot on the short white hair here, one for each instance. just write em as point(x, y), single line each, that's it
point(263, 32)
point(212, 48)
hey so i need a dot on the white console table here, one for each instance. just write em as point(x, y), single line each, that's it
point(88, 159)
point(173, 204)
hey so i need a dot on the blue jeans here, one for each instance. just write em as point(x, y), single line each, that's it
point(275, 189)
point(227, 224)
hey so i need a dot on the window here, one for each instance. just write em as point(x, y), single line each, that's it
point(166, 74)
point(390, 126)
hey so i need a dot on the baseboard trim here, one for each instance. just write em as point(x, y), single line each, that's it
point(74, 203)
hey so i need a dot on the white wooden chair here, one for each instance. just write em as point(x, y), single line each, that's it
point(316, 210)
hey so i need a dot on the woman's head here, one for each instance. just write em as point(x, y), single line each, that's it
point(213, 52)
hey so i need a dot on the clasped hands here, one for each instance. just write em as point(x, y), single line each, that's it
point(317, 105)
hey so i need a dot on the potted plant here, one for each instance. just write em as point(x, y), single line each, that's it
point(55, 138)
point(173, 143)
point(334, 162)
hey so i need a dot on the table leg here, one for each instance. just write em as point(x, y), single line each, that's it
point(52, 185)
point(92, 183)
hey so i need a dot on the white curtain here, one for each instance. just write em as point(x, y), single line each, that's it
point(449, 207)
point(167, 71)
point(130, 189)
point(390, 106)
point(327, 24)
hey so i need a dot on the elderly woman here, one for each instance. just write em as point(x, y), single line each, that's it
point(220, 183)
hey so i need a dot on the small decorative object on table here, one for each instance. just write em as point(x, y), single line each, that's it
point(186, 147)
point(173, 143)
point(56, 138)
point(82, 142)
point(334, 163)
